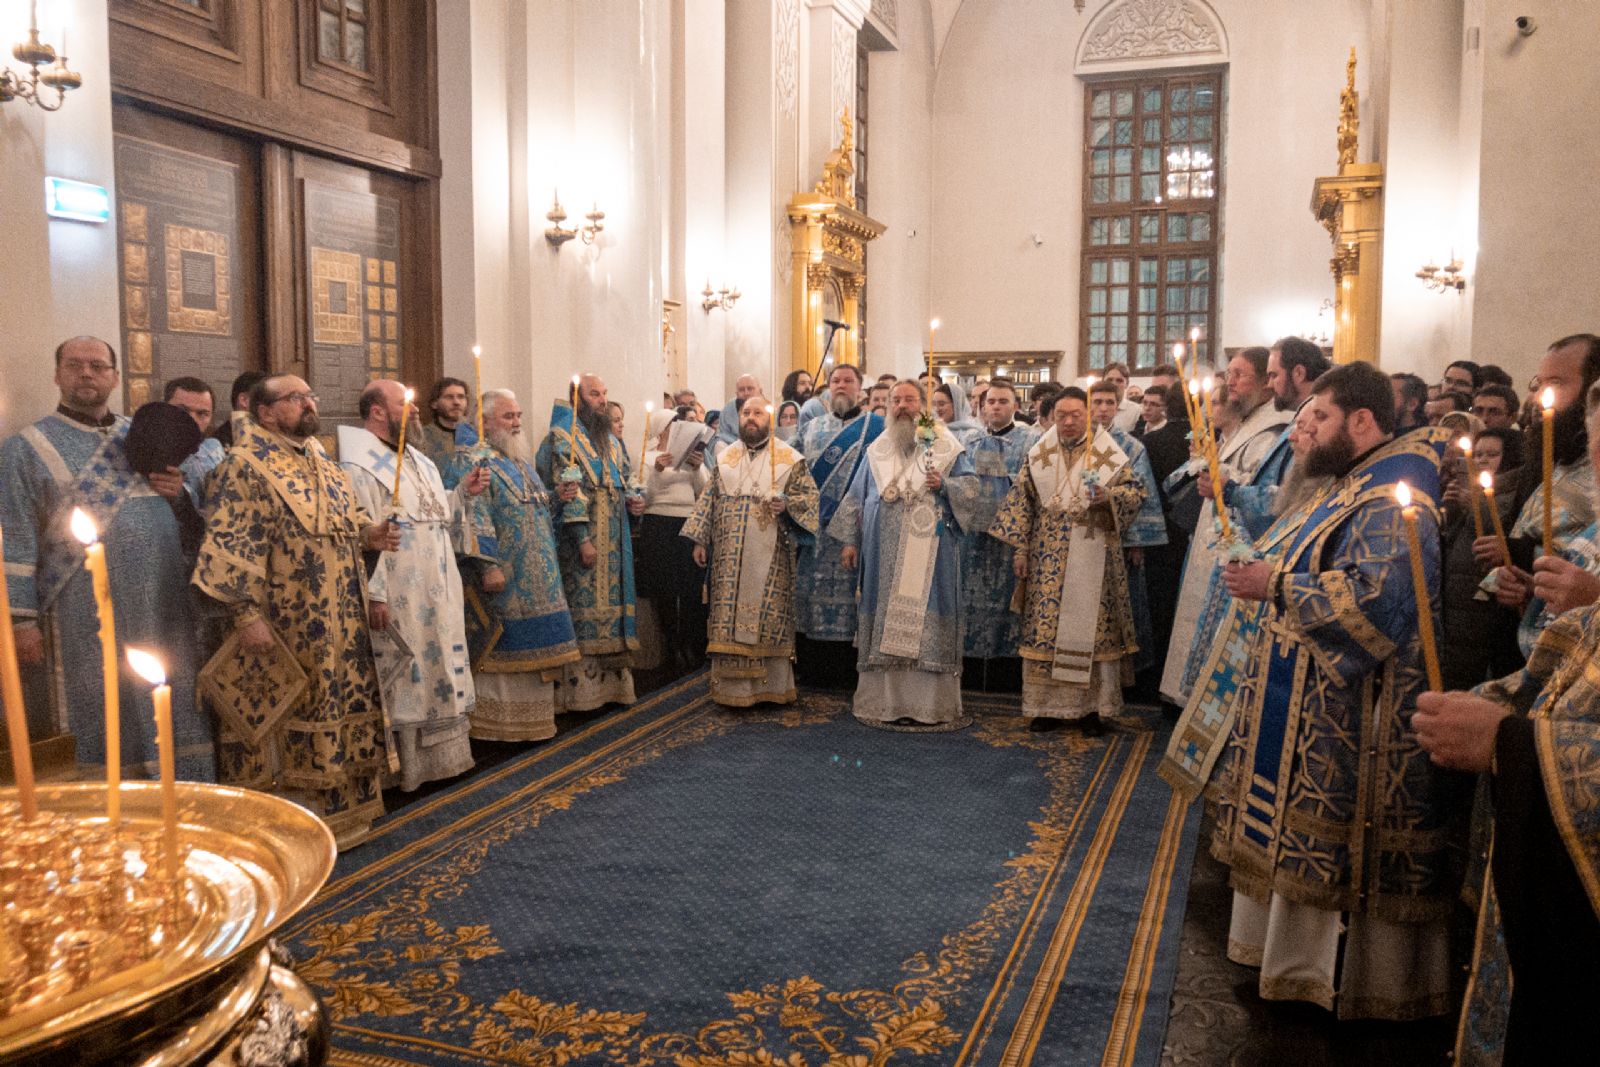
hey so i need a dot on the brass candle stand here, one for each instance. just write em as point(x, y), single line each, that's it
point(104, 959)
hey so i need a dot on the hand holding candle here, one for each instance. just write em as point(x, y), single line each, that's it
point(94, 561)
point(150, 668)
point(400, 460)
point(1419, 586)
point(1212, 462)
point(1486, 481)
point(1547, 400)
point(1465, 444)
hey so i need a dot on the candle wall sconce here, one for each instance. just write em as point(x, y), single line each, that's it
point(56, 75)
point(724, 298)
point(1447, 278)
point(559, 235)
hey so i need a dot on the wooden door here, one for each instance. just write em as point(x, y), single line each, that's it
point(367, 284)
point(189, 254)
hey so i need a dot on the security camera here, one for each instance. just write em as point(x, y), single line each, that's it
point(1526, 25)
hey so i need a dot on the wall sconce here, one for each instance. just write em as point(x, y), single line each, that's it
point(723, 298)
point(1445, 278)
point(559, 235)
point(35, 53)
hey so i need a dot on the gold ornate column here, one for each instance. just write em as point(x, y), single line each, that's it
point(829, 238)
point(1350, 206)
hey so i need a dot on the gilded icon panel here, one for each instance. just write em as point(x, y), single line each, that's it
point(375, 326)
point(374, 298)
point(199, 297)
point(138, 393)
point(391, 299)
point(391, 355)
point(335, 316)
point(141, 358)
point(390, 273)
point(135, 261)
point(373, 268)
point(135, 307)
point(375, 353)
point(391, 327)
point(135, 221)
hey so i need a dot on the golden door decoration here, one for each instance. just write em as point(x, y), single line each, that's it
point(1350, 206)
point(829, 241)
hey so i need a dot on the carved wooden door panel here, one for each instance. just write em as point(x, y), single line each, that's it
point(189, 254)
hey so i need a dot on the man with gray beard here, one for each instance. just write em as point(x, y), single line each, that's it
point(901, 522)
point(518, 627)
point(825, 597)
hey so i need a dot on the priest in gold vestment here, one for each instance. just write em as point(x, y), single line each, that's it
point(751, 518)
point(1064, 516)
point(283, 553)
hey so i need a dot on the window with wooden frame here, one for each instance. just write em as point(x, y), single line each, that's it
point(1152, 199)
point(342, 33)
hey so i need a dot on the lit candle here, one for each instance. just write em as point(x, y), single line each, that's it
point(1419, 586)
point(94, 561)
point(1465, 444)
point(772, 444)
point(644, 437)
point(933, 324)
point(405, 419)
point(16, 712)
point(1211, 459)
point(1486, 482)
point(572, 398)
point(477, 382)
point(1183, 383)
point(1548, 400)
point(150, 668)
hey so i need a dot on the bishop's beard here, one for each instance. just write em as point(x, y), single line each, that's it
point(903, 433)
point(509, 443)
point(597, 424)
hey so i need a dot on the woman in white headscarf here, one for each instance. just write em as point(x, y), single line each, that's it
point(950, 405)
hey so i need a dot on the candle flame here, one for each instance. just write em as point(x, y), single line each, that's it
point(1548, 398)
point(147, 666)
point(1465, 444)
point(769, 409)
point(934, 324)
point(1402, 493)
point(649, 406)
point(1177, 352)
point(1194, 388)
point(83, 527)
point(477, 351)
point(1486, 480)
point(1091, 380)
point(1194, 335)
point(411, 394)
point(575, 379)
point(1209, 384)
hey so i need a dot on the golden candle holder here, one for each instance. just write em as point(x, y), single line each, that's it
point(103, 959)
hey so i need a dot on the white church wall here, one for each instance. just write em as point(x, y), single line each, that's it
point(1537, 230)
point(583, 114)
point(901, 187)
point(1007, 132)
point(61, 276)
point(456, 189)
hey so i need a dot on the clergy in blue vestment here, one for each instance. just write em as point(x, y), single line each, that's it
point(1147, 529)
point(1339, 832)
point(1202, 602)
point(518, 625)
point(833, 445)
point(595, 545)
point(900, 527)
point(444, 418)
point(997, 453)
point(76, 458)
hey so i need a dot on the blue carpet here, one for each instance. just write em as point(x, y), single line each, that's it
point(674, 884)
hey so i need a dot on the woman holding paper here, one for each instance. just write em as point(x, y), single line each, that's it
point(668, 582)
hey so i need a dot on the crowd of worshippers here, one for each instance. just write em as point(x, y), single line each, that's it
point(334, 628)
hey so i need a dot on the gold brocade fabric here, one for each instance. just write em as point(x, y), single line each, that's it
point(719, 522)
point(283, 544)
point(1025, 522)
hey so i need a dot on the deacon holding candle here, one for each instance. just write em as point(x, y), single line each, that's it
point(1562, 506)
point(83, 456)
point(1330, 679)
